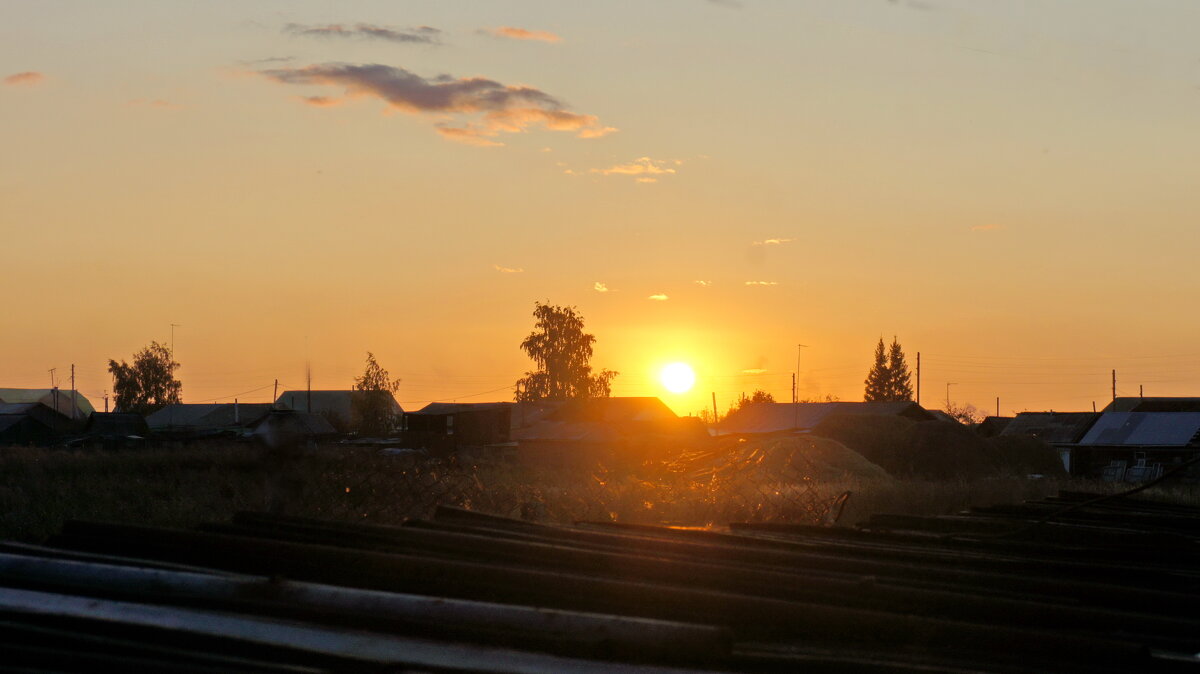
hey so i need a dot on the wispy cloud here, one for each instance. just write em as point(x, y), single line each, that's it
point(755, 370)
point(522, 34)
point(320, 101)
point(497, 108)
point(267, 61)
point(703, 283)
point(986, 228)
point(366, 31)
point(643, 169)
point(772, 242)
point(508, 270)
point(600, 287)
point(761, 283)
point(157, 104)
point(28, 78)
point(658, 297)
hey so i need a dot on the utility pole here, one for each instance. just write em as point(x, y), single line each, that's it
point(715, 416)
point(106, 402)
point(73, 394)
point(997, 405)
point(308, 379)
point(173, 326)
point(1114, 385)
point(918, 377)
point(52, 384)
point(948, 385)
point(276, 395)
point(793, 388)
point(1141, 394)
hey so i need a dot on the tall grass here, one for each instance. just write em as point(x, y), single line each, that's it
point(40, 489)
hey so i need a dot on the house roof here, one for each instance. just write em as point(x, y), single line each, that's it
point(1159, 404)
point(310, 424)
point(437, 409)
point(47, 396)
point(40, 412)
point(206, 415)
point(1062, 428)
point(775, 417)
point(1156, 429)
point(612, 410)
point(339, 403)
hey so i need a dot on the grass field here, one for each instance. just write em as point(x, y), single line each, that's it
point(42, 488)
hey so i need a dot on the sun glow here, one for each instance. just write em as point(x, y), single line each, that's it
point(677, 377)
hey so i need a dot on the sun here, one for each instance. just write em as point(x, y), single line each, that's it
point(677, 377)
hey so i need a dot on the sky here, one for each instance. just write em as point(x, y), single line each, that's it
point(1007, 188)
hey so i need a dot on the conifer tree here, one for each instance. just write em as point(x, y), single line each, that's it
point(900, 379)
point(879, 378)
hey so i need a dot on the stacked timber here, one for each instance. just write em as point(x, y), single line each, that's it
point(1069, 584)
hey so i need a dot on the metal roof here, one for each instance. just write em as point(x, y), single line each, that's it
point(460, 408)
point(338, 403)
point(1157, 429)
point(1153, 404)
point(60, 401)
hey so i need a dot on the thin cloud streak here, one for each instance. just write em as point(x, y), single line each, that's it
point(600, 287)
point(762, 283)
point(508, 270)
point(512, 33)
point(772, 242)
point(658, 298)
point(703, 283)
point(644, 169)
point(27, 78)
point(499, 108)
point(366, 31)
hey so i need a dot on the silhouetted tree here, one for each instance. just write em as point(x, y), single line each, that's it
point(149, 384)
point(889, 379)
point(562, 351)
point(373, 404)
point(899, 378)
point(878, 377)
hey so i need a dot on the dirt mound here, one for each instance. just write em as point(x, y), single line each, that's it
point(785, 459)
point(937, 450)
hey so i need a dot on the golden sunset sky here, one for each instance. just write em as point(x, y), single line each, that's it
point(1012, 189)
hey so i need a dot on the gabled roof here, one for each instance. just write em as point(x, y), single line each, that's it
point(1160, 404)
point(438, 409)
point(612, 410)
point(47, 396)
point(39, 412)
point(1152, 429)
point(206, 416)
point(776, 417)
point(291, 420)
point(1056, 428)
point(338, 403)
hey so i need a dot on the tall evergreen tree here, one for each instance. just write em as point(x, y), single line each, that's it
point(899, 378)
point(879, 378)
